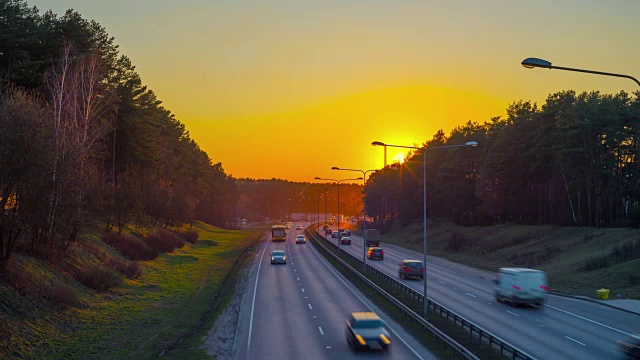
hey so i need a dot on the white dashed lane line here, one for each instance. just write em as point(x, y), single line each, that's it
point(310, 308)
point(512, 313)
point(441, 282)
point(321, 332)
point(574, 340)
point(302, 289)
point(471, 295)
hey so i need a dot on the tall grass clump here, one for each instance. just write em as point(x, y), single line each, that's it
point(164, 241)
point(131, 247)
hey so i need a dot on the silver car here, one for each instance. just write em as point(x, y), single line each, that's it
point(278, 257)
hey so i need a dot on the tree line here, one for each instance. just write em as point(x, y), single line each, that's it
point(82, 139)
point(571, 162)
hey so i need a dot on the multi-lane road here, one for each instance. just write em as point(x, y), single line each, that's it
point(299, 310)
point(564, 328)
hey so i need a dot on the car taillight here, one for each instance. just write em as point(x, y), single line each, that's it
point(381, 252)
point(516, 287)
point(422, 269)
point(407, 269)
point(544, 287)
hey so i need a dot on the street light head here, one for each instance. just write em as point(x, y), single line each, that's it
point(531, 63)
point(471, 143)
point(335, 168)
point(378, 143)
point(359, 178)
point(317, 178)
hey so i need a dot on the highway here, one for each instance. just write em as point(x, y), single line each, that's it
point(564, 328)
point(298, 310)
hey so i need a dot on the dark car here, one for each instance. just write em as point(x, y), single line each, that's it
point(345, 240)
point(278, 257)
point(300, 239)
point(365, 330)
point(348, 232)
point(411, 269)
point(335, 235)
point(630, 346)
point(325, 226)
point(375, 253)
point(343, 234)
point(327, 231)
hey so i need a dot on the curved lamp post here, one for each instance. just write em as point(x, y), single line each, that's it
point(338, 215)
point(424, 209)
point(364, 213)
point(531, 63)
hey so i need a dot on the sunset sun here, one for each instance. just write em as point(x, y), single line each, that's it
point(399, 158)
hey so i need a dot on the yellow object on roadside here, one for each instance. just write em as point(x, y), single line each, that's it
point(603, 294)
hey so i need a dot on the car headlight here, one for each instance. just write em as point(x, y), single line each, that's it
point(272, 258)
point(284, 258)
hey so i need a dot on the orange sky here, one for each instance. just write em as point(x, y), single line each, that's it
point(288, 88)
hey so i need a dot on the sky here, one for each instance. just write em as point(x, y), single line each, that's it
point(289, 88)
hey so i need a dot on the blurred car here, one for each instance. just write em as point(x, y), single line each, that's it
point(411, 269)
point(365, 330)
point(345, 240)
point(375, 253)
point(348, 232)
point(327, 231)
point(298, 227)
point(343, 234)
point(630, 346)
point(300, 239)
point(335, 235)
point(278, 257)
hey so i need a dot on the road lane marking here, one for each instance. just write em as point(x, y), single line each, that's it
point(440, 267)
point(298, 279)
point(321, 332)
point(253, 303)
point(442, 282)
point(310, 308)
point(583, 344)
point(302, 289)
point(471, 295)
point(512, 313)
point(333, 271)
point(589, 320)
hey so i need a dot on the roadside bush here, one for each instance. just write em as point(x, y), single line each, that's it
point(164, 241)
point(634, 217)
point(457, 241)
point(626, 251)
point(188, 236)
point(59, 294)
point(596, 263)
point(131, 247)
point(98, 277)
point(131, 270)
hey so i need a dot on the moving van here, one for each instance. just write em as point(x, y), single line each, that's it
point(521, 286)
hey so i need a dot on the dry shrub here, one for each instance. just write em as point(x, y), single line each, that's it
point(131, 247)
point(98, 277)
point(164, 241)
point(131, 270)
point(58, 293)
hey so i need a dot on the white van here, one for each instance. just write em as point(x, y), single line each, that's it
point(521, 286)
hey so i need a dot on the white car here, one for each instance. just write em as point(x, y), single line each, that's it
point(300, 239)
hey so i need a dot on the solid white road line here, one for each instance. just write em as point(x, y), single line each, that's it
point(333, 271)
point(583, 344)
point(512, 313)
point(253, 303)
point(471, 295)
point(321, 332)
point(310, 308)
point(589, 320)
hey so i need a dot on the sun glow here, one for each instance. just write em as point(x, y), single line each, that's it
point(399, 158)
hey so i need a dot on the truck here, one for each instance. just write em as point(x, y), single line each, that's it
point(278, 233)
point(373, 237)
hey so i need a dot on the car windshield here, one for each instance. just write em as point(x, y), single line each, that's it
point(277, 253)
point(414, 264)
point(368, 324)
point(300, 237)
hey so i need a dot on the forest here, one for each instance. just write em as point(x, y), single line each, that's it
point(573, 161)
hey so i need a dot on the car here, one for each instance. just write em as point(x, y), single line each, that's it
point(287, 225)
point(343, 234)
point(365, 330)
point(630, 346)
point(327, 231)
point(300, 239)
point(298, 227)
point(375, 253)
point(345, 240)
point(348, 232)
point(521, 286)
point(325, 226)
point(335, 235)
point(411, 269)
point(278, 257)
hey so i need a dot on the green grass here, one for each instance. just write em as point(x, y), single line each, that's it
point(561, 251)
point(169, 308)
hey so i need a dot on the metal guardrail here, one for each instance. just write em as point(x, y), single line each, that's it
point(449, 342)
point(416, 298)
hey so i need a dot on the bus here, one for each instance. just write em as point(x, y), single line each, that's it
point(278, 233)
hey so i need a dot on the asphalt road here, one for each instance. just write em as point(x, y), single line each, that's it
point(564, 328)
point(298, 310)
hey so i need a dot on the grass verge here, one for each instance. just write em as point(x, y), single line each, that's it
point(169, 308)
point(432, 342)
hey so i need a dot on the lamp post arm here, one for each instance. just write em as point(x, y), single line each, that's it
point(595, 72)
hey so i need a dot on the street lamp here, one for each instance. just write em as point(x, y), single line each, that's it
point(364, 213)
point(338, 215)
point(424, 208)
point(531, 63)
